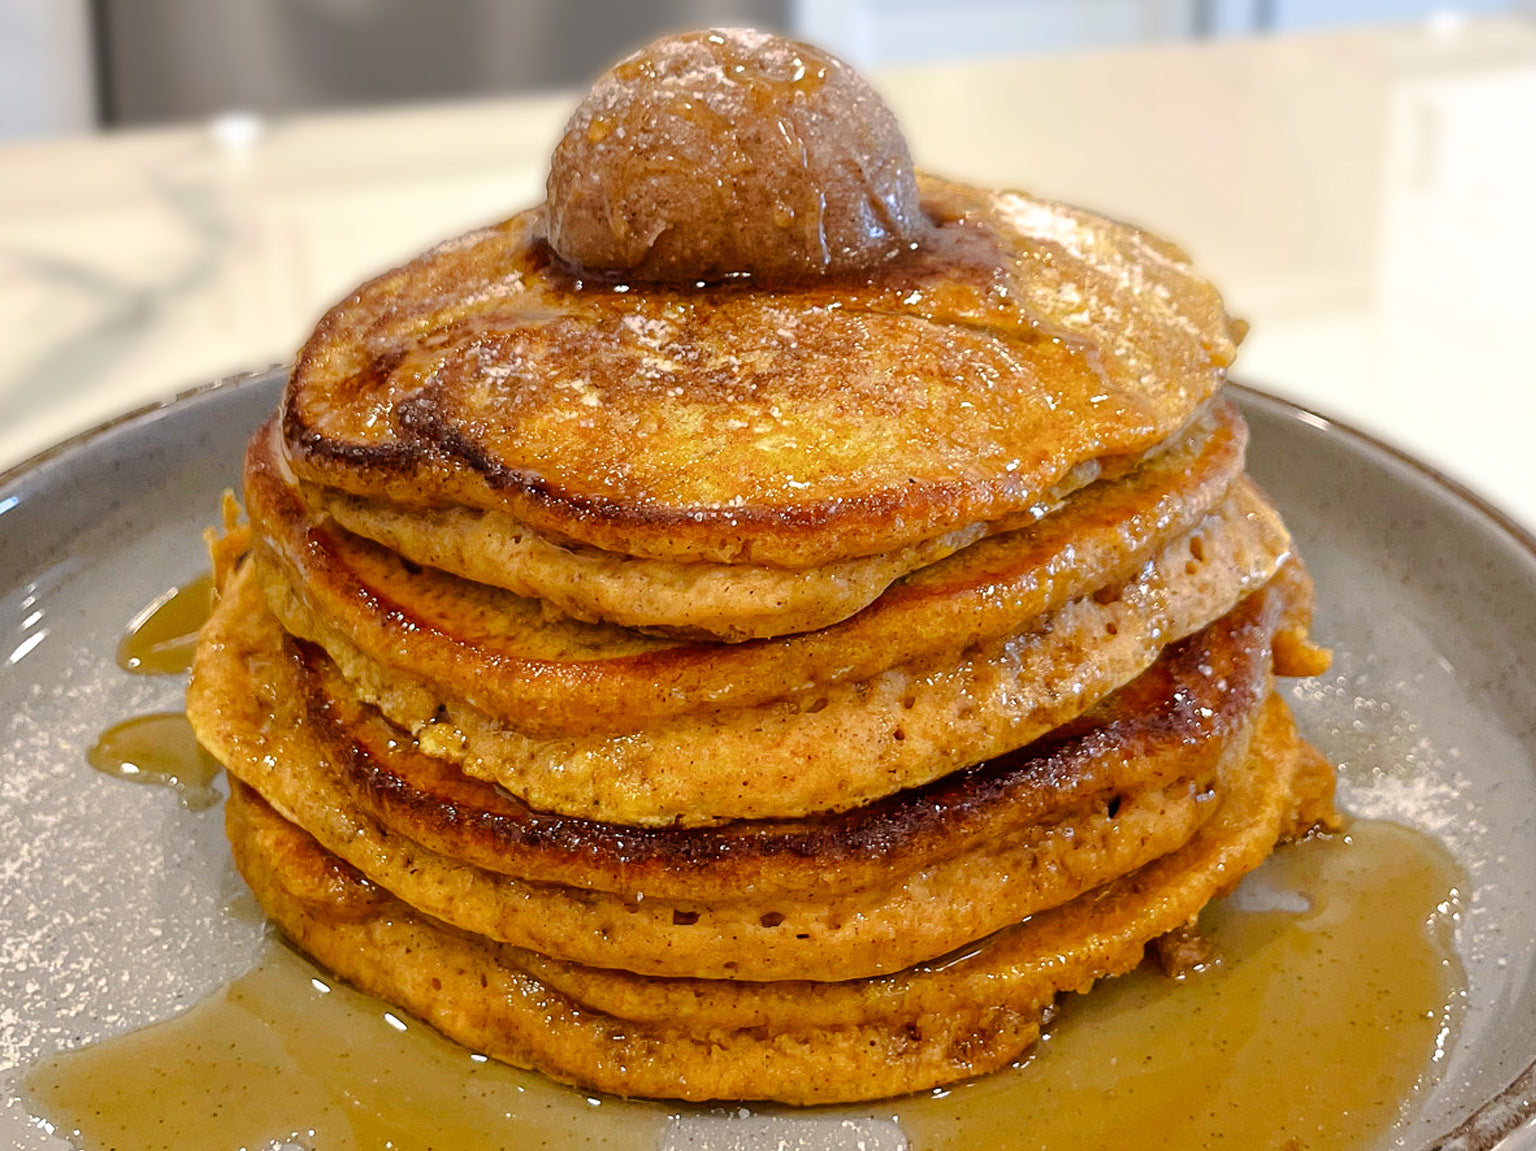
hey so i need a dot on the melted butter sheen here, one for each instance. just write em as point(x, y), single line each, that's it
point(1243, 1054)
point(162, 638)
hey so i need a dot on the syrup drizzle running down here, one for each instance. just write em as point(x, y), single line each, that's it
point(1336, 954)
point(161, 638)
point(160, 748)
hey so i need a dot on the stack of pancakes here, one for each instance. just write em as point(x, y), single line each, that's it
point(726, 691)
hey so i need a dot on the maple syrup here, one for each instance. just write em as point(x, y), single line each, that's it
point(1335, 991)
point(161, 749)
point(1337, 953)
point(288, 1056)
point(161, 639)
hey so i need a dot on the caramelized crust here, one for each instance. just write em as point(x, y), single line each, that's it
point(955, 384)
point(828, 898)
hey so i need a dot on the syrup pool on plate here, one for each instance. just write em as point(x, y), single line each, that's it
point(159, 748)
point(1335, 991)
point(1335, 954)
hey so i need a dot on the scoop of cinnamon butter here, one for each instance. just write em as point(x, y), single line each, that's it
point(726, 153)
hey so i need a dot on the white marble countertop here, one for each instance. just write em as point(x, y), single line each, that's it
point(1362, 198)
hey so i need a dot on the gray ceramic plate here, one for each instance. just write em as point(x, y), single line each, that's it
point(113, 900)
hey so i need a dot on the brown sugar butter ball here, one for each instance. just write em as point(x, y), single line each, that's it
point(731, 152)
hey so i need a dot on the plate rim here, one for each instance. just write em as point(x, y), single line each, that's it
point(1502, 1115)
point(20, 471)
point(1322, 422)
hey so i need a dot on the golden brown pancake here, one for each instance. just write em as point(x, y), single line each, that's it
point(762, 652)
point(933, 869)
point(835, 747)
point(731, 602)
point(958, 383)
point(744, 601)
point(792, 1041)
point(552, 676)
point(431, 801)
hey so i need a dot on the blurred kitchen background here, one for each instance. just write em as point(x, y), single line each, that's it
point(73, 66)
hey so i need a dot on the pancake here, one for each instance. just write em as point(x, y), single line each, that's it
point(956, 384)
point(1109, 524)
point(731, 602)
point(536, 664)
point(513, 646)
point(431, 801)
point(796, 1042)
point(550, 676)
point(735, 602)
point(941, 866)
point(836, 747)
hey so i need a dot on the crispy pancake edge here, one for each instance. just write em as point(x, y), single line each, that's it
point(429, 800)
point(736, 602)
point(926, 905)
point(558, 678)
point(1098, 537)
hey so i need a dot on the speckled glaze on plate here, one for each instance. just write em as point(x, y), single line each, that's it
point(115, 902)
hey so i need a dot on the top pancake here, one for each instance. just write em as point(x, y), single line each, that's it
point(1019, 347)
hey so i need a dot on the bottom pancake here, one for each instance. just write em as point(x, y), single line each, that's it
point(791, 1041)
